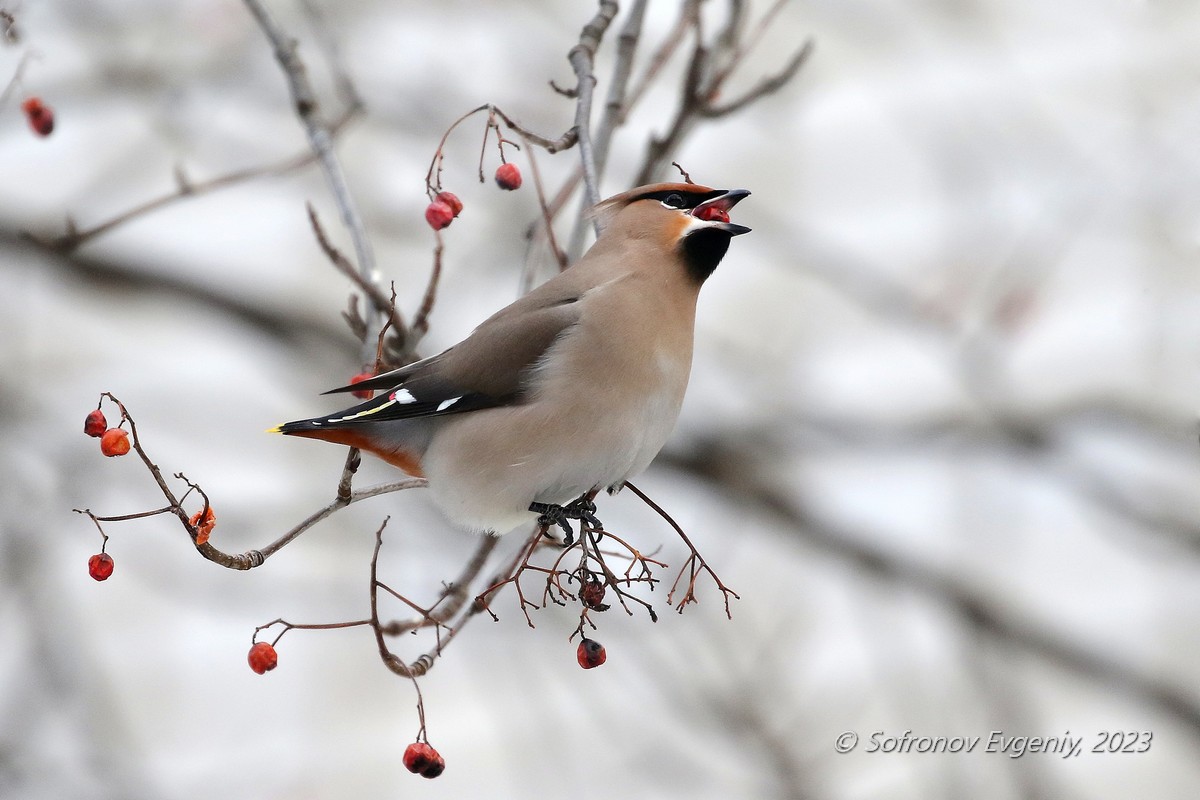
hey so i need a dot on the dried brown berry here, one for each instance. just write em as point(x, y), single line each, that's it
point(423, 760)
point(508, 177)
point(450, 199)
point(590, 654)
point(100, 566)
point(439, 215)
point(262, 658)
point(592, 595)
point(114, 442)
point(94, 424)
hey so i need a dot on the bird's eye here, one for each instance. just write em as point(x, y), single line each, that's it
point(673, 200)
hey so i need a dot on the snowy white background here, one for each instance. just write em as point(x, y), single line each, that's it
point(941, 433)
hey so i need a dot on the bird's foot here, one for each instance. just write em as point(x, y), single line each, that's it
point(582, 509)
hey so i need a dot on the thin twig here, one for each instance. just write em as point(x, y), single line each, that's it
point(251, 558)
point(546, 228)
point(15, 80)
point(614, 104)
point(75, 237)
point(512, 575)
point(379, 298)
point(694, 565)
point(454, 595)
point(615, 111)
point(768, 85)
point(319, 137)
point(333, 55)
point(420, 324)
point(304, 626)
point(708, 70)
point(453, 599)
point(582, 57)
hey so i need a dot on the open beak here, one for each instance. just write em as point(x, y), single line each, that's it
point(716, 211)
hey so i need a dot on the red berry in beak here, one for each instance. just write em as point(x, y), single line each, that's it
point(713, 213)
point(508, 177)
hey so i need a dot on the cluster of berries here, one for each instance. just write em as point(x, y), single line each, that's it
point(446, 206)
point(420, 758)
point(113, 441)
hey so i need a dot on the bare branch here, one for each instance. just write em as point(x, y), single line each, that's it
point(319, 137)
point(693, 566)
point(420, 324)
point(974, 608)
point(547, 230)
point(709, 68)
point(614, 104)
point(252, 558)
point(74, 237)
point(768, 85)
point(371, 289)
point(582, 57)
point(614, 112)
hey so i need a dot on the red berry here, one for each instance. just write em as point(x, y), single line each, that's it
point(590, 654)
point(114, 442)
point(362, 394)
point(508, 177)
point(262, 658)
point(450, 199)
point(712, 213)
point(95, 424)
point(439, 215)
point(436, 767)
point(100, 566)
point(423, 760)
point(40, 116)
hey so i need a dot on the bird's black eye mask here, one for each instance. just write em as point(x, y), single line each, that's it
point(673, 198)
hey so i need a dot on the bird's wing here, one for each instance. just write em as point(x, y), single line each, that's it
point(489, 368)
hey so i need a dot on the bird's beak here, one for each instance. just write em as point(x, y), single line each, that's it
point(716, 211)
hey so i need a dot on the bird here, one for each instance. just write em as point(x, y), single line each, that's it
point(571, 389)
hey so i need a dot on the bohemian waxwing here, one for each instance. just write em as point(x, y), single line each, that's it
point(572, 388)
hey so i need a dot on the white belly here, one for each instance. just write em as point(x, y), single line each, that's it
point(486, 467)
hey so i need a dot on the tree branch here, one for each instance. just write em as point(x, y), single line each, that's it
point(582, 57)
point(305, 103)
point(75, 237)
point(729, 471)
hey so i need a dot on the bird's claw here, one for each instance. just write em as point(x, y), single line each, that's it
point(582, 509)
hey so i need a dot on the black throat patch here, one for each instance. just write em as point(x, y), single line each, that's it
point(703, 250)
